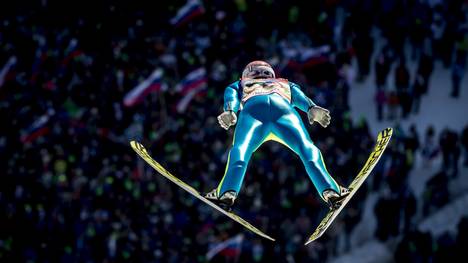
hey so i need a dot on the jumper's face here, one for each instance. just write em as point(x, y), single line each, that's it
point(260, 72)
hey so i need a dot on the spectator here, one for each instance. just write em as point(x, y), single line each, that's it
point(438, 28)
point(436, 193)
point(430, 148)
point(464, 143)
point(380, 100)
point(462, 237)
point(414, 247)
point(409, 210)
point(363, 42)
point(419, 22)
point(411, 145)
point(445, 249)
point(402, 79)
point(458, 70)
point(393, 102)
point(382, 68)
point(425, 68)
point(418, 91)
point(450, 151)
point(387, 212)
point(412, 140)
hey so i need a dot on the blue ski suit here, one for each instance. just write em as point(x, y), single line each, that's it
point(267, 113)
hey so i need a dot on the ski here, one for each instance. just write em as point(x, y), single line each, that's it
point(382, 141)
point(143, 153)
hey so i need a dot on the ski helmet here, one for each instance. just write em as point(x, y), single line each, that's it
point(258, 69)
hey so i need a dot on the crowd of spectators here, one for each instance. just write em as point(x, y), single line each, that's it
point(396, 210)
point(75, 192)
point(434, 36)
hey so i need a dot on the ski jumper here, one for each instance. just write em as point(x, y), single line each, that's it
point(267, 113)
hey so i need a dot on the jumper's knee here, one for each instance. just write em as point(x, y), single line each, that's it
point(310, 153)
point(240, 164)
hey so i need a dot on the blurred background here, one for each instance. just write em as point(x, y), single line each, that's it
point(79, 80)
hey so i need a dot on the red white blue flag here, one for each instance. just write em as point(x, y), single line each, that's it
point(193, 80)
point(37, 129)
point(229, 248)
point(307, 57)
point(150, 84)
point(7, 69)
point(194, 83)
point(314, 56)
point(192, 9)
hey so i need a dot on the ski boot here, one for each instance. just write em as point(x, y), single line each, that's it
point(334, 199)
point(225, 201)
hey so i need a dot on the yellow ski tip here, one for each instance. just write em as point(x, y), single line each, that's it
point(136, 144)
point(311, 239)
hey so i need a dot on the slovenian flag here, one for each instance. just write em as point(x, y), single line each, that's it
point(194, 83)
point(187, 12)
point(229, 248)
point(150, 84)
point(6, 70)
point(37, 129)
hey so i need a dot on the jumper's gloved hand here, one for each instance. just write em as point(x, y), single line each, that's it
point(319, 115)
point(227, 119)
